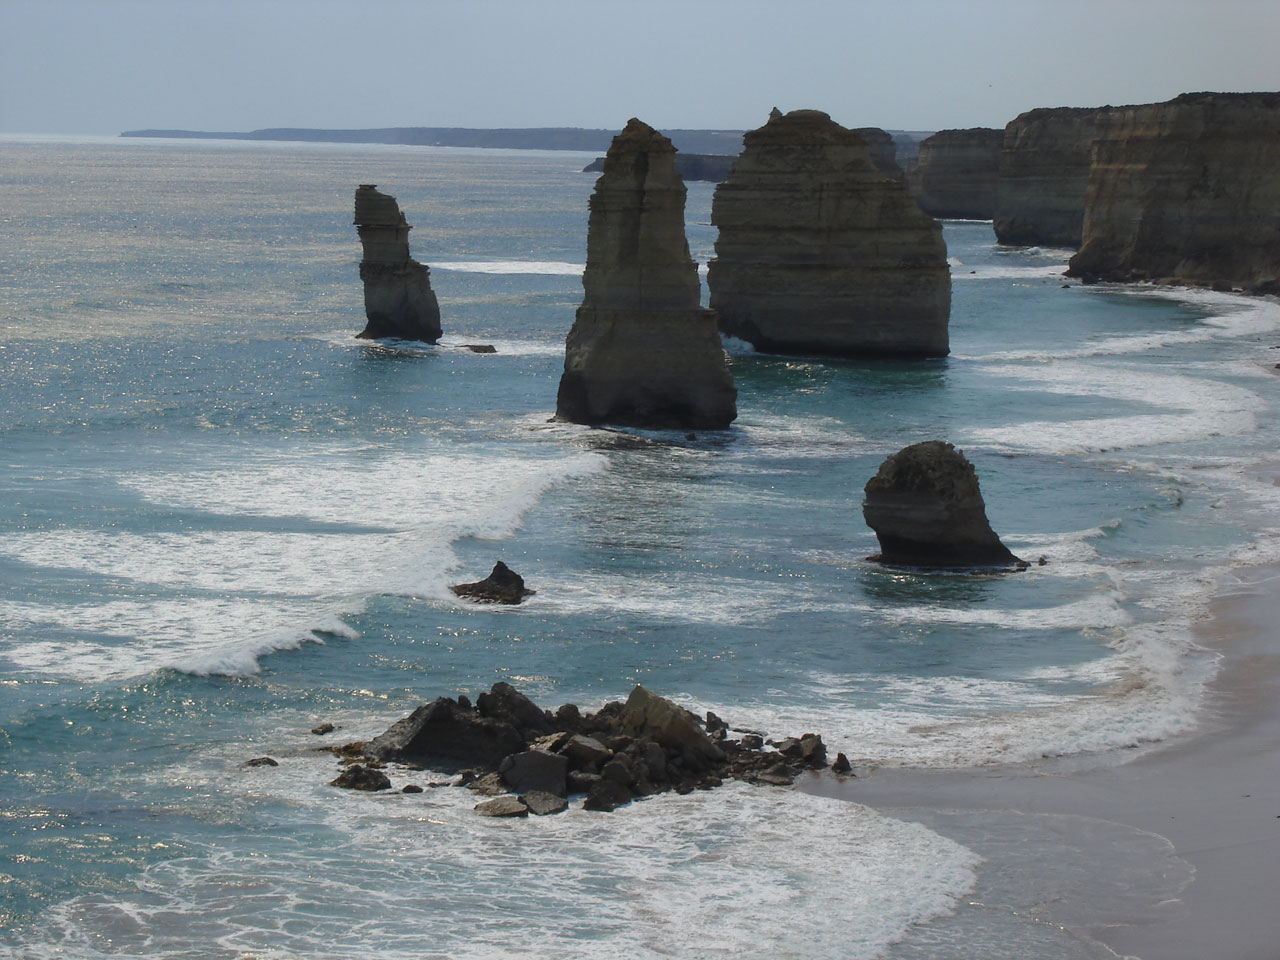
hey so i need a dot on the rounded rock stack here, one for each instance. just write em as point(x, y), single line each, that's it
point(820, 254)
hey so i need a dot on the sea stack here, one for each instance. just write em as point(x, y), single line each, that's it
point(927, 511)
point(883, 150)
point(956, 173)
point(642, 351)
point(1186, 191)
point(1044, 170)
point(820, 254)
point(398, 299)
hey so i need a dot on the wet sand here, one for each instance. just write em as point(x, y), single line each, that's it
point(1214, 795)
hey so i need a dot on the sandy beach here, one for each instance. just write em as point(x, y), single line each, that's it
point(1174, 855)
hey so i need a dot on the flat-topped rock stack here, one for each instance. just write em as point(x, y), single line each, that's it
point(642, 350)
point(1044, 171)
point(883, 150)
point(820, 254)
point(398, 299)
point(1187, 190)
point(957, 173)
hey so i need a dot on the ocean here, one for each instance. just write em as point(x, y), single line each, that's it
point(225, 520)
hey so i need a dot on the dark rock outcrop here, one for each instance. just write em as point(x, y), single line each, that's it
point(957, 173)
point(502, 807)
point(443, 733)
point(622, 752)
point(820, 254)
point(358, 777)
point(398, 299)
point(1044, 171)
point(503, 585)
point(642, 351)
point(926, 510)
point(1187, 190)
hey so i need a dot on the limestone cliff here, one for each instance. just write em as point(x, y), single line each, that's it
point(926, 509)
point(642, 351)
point(956, 173)
point(1187, 190)
point(884, 152)
point(1044, 169)
point(398, 299)
point(691, 166)
point(820, 254)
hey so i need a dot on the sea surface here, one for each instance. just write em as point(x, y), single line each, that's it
point(225, 520)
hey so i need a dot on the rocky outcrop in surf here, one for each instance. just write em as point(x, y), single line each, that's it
point(1044, 171)
point(819, 253)
point(507, 746)
point(398, 299)
point(642, 350)
point(926, 510)
point(502, 585)
point(1186, 191)
point(957, 172)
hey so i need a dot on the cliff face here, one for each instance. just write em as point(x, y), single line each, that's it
point(1186, 190)
point(398, 299)
point(819, 253)
point(884, 152)
point(691, 166)
point(1044, 170)
point(642, 351)
point(957, 173)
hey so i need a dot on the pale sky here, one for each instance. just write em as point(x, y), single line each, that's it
point(104, 66)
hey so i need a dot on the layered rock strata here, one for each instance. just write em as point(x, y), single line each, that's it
point(1044, 172)
point(398, 299)
point(1187, 190)
point(883, 150)
point(957, 173)
point(642, 351)
point(506, 746)
point(820, 254)
point(926, 510)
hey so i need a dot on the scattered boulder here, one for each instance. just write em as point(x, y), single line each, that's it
point(841, 765)
point(648, 715)
point(535, 770)
point(260, 762)
point(926, 510)
point(642, 351)
point(507, 806)
point(359, 777)
point(505, 702)
point(541, 804)
point(480, 347)
point(606, 795)
point(323, 728)
point(411, 788)
point(819, 253)
point(503, 585)
point(442, 733)
point(398, 299)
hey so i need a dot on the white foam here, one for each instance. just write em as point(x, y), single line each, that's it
point(737, 872)
point(219, 599)
point(546, 268)
point(1008, 272)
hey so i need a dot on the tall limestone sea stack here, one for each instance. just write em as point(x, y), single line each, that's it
point(1187, 190)
point(398, 299)
point(957, 172)
point(1044, 170)
point(820, 254)
point(642, 350)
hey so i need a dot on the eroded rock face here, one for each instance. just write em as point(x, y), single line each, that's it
point(398, 299)
point(820, 254)
point(926, 510)
point(1044, 171)
point(642, 351)
point(883, 150)
point(444, 733)
point(957, 173)
point(1187, 190)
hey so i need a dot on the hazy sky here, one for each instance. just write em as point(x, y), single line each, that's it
point(103, 66)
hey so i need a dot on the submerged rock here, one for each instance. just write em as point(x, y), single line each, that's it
point(503, 585)
point(819, 253)
point(642, 351)
point(1187, 190)
point(398, 299)
point(926, 510)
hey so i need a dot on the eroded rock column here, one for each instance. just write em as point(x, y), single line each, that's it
point(398, 299)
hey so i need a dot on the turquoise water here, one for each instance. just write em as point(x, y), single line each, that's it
point(225, 520)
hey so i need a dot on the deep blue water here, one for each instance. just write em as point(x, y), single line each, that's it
point(224, 520)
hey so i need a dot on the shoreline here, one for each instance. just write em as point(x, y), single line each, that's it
point(1213, 794)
